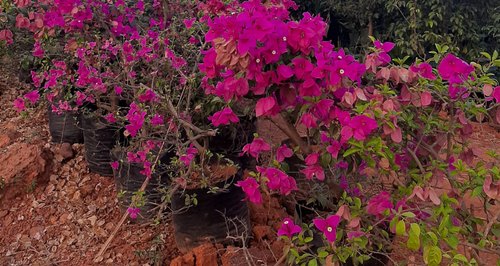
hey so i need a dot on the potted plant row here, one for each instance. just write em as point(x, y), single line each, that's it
point(168, 95)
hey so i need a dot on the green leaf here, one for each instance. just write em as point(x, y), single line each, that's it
point(413, 242)
point(408, 214)
point(433, 237)
point(322, 254)
point(401, 228)
point(312, 262)
point(495, 55)
point(350, 151)
point(485, 54)
point(433, 256)
point(452, 241)
point(461, 258)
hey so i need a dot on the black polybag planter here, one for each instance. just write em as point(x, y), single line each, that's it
point(65, 127)
point(231, 139)
point(128, 180)
point(216, 216)
point(99, 139)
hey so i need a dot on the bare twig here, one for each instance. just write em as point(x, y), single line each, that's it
point(414, 156)
point(492, 251)
point(125, 214)
point(490, 223)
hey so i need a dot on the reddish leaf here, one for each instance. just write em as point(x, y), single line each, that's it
point(487, 90)
point(433, 196)
point(491, 190)
point(425, 98)
point(396, 135)
point(264, 106)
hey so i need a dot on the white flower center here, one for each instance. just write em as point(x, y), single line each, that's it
point(339, 57)
point(273, 52)
point(285, 222)
point(257, 60)
point(329, 229)
point(284, 39)
point(341, 71)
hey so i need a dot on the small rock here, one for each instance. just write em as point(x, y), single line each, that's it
point(76, 196)
point(3, 213)
point(49, 188)
point(53, 179)
point(186, 260)
point(36, 232)
point(92, 220)
point(23, 167)
point(64, 218)
point(53, 219)
point(206, 255)
point(63, 152)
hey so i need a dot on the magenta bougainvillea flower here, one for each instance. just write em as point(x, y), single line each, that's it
point(7, 36)
point(118, 90)
point(251, 189)
point(334, 149)
point(278, 180)
point(19, 105)
point(451, 163)
point(32, 96)
point(314, 171)
point(358, 127)
point(266, 107)
point(257, 146)
point(424, 70)
point(328, 226)
point(157, 120)
point(135, 117)
point(133, 212)
point(308, 120)
point(454, 69)
point(38, 50)
point(189, 22)
point(383, 50)
point(115, 165)
point(189, 156)
point(110, 118)
point(379, 203)
point(496, 94)
point(224, 117)
point(148, 96)
point(289, 228)
point(283, 152)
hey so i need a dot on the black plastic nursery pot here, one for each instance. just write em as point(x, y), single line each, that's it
point(65, 127)
point(99, 139)
point(128, 180)
point(215, 216)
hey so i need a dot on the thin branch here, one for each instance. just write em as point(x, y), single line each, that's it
point(414, 156)
point(125, 214)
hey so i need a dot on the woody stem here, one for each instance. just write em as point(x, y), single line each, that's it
point(292, 133)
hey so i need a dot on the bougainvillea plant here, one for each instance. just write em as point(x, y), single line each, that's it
point(379, 135)
point(386, 146)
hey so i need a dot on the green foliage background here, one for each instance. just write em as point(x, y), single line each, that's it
point(467, 26)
